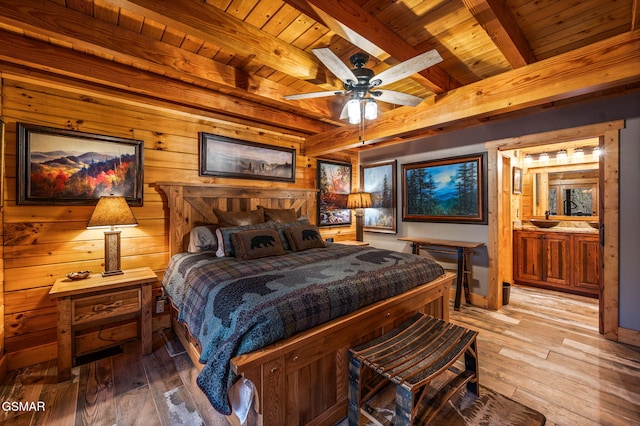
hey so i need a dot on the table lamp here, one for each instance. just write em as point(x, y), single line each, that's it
point(111, 211)
point(359, 201)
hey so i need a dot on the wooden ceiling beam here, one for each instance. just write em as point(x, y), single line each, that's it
point(351, 21)
point(501, 26)
point(212, 25)
point(57, 60)
point(83, 32)
point(610, 63)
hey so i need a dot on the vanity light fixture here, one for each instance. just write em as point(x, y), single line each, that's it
point(562, 155)
point(578, 154)
point(544, 157)
point(596, 153)
point(528, 159)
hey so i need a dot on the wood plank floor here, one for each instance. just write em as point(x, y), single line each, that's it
point(543, 349)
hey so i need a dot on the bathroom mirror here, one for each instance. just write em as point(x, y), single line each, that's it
point(572, 193)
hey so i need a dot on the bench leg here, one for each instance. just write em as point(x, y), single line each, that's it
point(354, 391)
point(404, 407)
point(471, 364)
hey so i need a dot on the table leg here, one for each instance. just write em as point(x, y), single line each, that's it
point(65, 351)
point(467, 276)
point(145, 319)
point(459, 278)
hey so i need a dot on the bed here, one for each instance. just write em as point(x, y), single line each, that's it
point(299, 378)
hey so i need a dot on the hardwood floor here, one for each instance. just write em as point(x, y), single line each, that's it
point(543, 349)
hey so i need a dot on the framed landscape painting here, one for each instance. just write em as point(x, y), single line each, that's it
point(447, 190)
point(380, 181)
point(59, 166)
point(334, 184)
point(235, 158)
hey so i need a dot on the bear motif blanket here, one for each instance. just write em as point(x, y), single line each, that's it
point(235, 306)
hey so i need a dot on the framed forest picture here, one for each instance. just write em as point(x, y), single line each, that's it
point(59, 166)
point(446, 190)
point(334, 184)
point(379, 180)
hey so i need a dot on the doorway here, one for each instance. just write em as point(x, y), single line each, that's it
point(501, 219)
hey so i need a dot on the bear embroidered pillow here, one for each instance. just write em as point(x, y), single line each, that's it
point(304, 237)
point(256, 243)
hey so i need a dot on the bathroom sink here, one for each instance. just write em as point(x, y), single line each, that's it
point(544, 223)
point(594, 224)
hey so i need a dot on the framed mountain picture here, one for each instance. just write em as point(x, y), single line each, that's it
point(59, 166)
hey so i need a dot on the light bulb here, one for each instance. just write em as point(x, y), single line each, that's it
point(370, 109)
point(596, 152)
point(544, 157)
point(353, 111)
point(578, 154)
point(528, 159)
point(561, 155)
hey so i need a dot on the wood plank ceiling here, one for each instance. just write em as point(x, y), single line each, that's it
point(237, 59)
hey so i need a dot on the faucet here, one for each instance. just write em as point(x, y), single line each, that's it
point(546, 215)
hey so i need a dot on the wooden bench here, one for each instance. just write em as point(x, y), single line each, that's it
point(411, 357)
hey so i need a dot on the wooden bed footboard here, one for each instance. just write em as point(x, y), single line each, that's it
point(304, 379)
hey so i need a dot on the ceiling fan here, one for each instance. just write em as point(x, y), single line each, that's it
point(362, 83)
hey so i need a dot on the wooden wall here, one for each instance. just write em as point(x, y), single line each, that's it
point(43, 243)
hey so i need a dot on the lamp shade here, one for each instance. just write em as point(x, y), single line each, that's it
point(111, 211)
point(359, 200)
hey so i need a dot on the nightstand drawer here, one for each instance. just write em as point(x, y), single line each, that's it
point(103, 306)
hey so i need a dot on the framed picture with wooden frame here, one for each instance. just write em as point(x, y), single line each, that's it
point(517, 181)
point(446, 190)
point(234, 158)
point(334, 184)
point(379, 179)
point(59, 166)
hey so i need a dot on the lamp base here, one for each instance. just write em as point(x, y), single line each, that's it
point(359, 224)
point(112, 253)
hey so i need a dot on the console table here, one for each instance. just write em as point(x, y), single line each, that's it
point(462, 248)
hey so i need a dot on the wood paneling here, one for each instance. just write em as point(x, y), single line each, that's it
point(42, 243)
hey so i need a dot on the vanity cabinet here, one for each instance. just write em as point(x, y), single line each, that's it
point(557, 260)
point(587, 271)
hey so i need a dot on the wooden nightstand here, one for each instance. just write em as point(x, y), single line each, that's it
point(98, 301)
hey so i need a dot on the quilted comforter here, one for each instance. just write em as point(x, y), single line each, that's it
point(237, 306)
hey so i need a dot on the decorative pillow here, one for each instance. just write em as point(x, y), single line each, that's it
point(256, 243)
point(247, 217)
point(225, 247)
point(279, 215)
point(202, 238)
point(303, 237)
point(282, 226)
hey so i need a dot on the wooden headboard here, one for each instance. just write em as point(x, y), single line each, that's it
point(191, 205)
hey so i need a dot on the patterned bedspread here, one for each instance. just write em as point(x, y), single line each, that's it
point(233, 306)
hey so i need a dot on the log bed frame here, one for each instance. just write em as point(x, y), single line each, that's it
point(302, 379)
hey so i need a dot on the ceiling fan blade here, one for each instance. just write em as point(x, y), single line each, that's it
point(398, 98)
point(408, 67)
point(335, 65)
point(314, 95)
point(344, 113)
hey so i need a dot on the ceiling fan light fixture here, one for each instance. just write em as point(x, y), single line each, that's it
point(370, 109)
point(353, 111)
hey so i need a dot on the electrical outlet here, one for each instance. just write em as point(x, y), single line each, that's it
point(159, 305)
